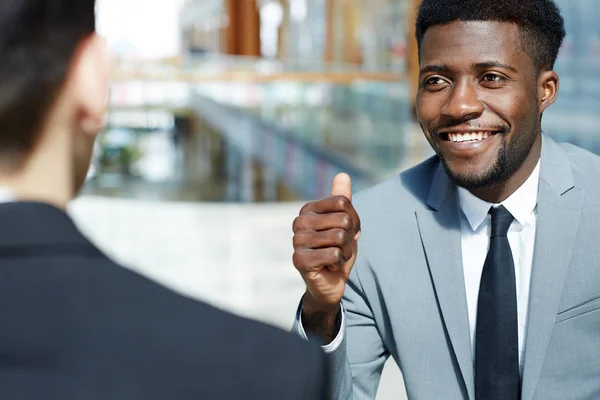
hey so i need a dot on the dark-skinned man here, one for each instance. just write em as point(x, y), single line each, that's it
point(477, 270)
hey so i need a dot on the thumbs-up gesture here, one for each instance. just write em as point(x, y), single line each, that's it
point(325, 247)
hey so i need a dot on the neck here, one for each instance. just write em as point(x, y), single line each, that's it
point(44, 175)
point(499, 193)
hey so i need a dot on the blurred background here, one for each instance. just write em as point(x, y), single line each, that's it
point(227, 115)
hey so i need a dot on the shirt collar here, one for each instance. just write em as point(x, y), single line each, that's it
point(520, 204)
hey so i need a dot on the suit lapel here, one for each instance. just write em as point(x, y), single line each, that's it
point(559, 207)
point(441, 238)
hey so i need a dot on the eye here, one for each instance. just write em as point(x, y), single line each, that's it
point(434, 80)
point(493, 78)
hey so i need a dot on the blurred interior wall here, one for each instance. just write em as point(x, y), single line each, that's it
point(345, 23)
point(243, 30)
point(373, 34)
point(221, 26)
point(370, 33)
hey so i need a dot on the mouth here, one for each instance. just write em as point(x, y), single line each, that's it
point(469, 143)
point(467, 137)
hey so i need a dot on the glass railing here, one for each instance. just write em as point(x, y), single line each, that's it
point(291, 136)
point(314, 130)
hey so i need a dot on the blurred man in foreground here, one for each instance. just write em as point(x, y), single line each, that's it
point(477, 270)
point(73, 324)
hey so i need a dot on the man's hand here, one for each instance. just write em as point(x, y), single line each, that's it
point(325, 247)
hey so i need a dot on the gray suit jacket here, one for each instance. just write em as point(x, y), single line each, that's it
point(406, 294)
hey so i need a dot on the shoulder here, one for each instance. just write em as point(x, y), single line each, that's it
point(585, 166)
point(585, 169)
point(118, 314)
point(124, 289)
point(199, 333)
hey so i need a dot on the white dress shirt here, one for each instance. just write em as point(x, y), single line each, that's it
point(475, 241)
point(476, 225)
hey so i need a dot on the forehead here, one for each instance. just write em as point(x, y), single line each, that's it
point(472, 42)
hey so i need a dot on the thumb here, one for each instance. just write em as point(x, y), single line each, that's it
point(342, 186)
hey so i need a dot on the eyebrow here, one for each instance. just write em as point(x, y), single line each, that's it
point(433, 68)
point(482, 65)
point(494, 64)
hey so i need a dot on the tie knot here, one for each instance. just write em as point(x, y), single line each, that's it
point(501, 220)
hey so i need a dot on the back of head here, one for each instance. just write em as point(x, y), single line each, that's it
point(38, 40)
point(540, 21)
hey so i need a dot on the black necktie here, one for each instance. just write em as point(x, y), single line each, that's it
point(496, 341)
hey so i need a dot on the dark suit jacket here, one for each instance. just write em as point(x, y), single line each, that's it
point(75, 325)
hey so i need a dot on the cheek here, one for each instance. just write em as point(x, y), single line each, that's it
point(427, 109)
point(525, 118)
point(515, 108)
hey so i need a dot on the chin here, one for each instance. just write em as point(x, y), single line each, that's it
point(468, 182)
point(465, 178)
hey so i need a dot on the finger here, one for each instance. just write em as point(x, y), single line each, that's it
point(332, 205)
point(320, 240)
point(347, 266)
point(342, 186)
point(322, 222)
point(311, 260)
point(349, 261)
point(328, 205)
point(355, 222)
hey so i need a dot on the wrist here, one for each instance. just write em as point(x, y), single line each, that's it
point(312, 306)
point(320, 320)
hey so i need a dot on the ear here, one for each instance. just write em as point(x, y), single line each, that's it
point(90, 83)
point(548, 83)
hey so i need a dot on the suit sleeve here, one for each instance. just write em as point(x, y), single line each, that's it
point(358, 357)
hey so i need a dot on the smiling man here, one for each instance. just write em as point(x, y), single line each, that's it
point(477, 270)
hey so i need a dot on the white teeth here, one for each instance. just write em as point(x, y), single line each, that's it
point(466, 137)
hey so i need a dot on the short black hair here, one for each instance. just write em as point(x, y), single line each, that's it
point(541, 22)
point(38, 40)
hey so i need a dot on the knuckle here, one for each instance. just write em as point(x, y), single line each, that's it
point(306, 208)
point(342, 202)
point(297, 225)
point(298, 260)
point(296, 241)
point(340, 236)
point(346, 221)
point(337, 255)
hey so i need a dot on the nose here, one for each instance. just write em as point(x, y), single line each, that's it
point(463, 103)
